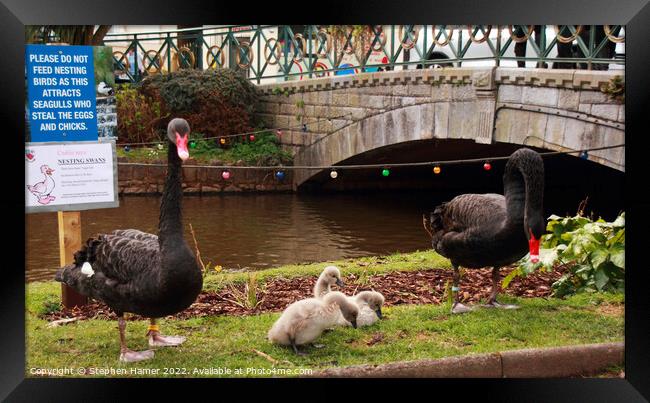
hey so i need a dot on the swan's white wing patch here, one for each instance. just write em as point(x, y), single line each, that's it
point(87, 269)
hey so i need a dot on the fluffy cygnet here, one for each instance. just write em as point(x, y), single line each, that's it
point(330, 275)
point(303, 321)
point(369, 303)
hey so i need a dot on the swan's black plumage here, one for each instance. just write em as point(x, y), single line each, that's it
point(479, 230)
point(137, 272)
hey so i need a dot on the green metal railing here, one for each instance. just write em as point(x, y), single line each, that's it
point(270, 53)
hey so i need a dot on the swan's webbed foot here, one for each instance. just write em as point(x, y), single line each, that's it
point(497, 304)
point(135, 356)
point(158, 340)
point(460, 308)
point(298, 352)
point(126, 354)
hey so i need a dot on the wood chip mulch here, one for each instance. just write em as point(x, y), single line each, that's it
point(414, 287)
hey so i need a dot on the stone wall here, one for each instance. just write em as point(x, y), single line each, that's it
point(140, 180)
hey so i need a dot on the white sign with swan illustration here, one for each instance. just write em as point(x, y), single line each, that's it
point(70, 176)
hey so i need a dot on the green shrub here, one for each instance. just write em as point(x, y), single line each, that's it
point(179, 89)
point(594, 251)
point(265, 150)
point(215, 102)
point(138, 117)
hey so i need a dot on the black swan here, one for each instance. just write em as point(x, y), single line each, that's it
point(479, 230)
point(133, 271)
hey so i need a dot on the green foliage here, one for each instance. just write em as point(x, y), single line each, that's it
point(138, 117)
point(103, 63)
point(214, 102)
point(50, 305)
point(251, 296)
point(594, 251)
point(265, 150)
point(181, 90)
point(280, 91)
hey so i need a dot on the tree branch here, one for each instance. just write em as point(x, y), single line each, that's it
point(98, 37)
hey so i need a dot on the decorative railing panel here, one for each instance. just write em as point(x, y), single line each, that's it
point(271, 53)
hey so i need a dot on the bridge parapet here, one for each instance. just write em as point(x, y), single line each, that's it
point(350, 114)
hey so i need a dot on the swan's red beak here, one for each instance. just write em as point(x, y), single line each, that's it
point(49, 171)
point(181, 146)
point(533, 246)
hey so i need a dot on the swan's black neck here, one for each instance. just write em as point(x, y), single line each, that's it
point(523, 186)
point(170, 225)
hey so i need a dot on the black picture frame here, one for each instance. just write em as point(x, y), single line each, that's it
point(635, 14)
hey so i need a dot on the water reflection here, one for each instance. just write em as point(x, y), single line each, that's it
point(256, 231)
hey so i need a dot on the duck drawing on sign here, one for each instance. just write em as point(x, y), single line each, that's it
point(41, 190)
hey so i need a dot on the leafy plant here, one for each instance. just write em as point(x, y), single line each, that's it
point(265, 150)
point(215, 102)
point(180, 90)
point(50, 306)
point(137, 116)
point(249, 297)
point(280, 91)
point(594, 252)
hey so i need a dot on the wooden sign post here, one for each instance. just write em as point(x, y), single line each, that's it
point(69, 243)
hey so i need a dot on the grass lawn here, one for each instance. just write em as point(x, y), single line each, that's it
point(408, 332)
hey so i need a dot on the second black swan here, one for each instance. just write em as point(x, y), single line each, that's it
point(479, 230)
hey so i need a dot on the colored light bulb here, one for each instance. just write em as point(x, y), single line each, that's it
point(385, 172)
point(584, 155)
point(127, 148)
point(487, 166)
point(279, 175)
point(192, 144)
point(334, 174)
point(437, 169)
point(225, 175)
point(251, 137)
point(279, 132)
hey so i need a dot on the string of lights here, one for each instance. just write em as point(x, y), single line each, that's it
point(385, 167)
point(278, 130)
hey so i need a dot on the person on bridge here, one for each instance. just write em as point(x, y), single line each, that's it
point(520, 47)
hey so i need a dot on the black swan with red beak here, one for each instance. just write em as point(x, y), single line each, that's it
point(133, 271)
point(479, 230)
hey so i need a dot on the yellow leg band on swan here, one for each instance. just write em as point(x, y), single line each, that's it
point(153, 328)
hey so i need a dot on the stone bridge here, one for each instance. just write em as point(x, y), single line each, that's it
point(352, 114)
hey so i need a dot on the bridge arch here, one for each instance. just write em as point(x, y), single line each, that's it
point(559, 110)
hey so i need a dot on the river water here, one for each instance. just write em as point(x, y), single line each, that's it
point(256, 231)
